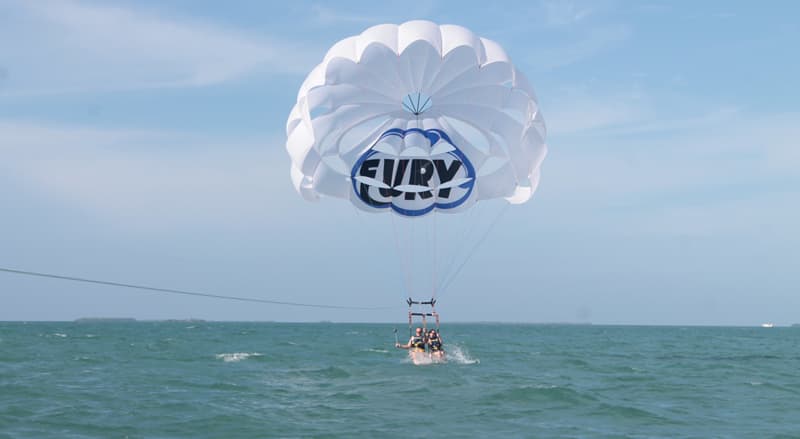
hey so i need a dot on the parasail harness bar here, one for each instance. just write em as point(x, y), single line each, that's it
point(410, 302)
point(423, 315)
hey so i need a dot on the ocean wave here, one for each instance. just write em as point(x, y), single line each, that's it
point(541, 393)
point(237, 356)
point(330, 372)
point(380, 351)
point(634, 414)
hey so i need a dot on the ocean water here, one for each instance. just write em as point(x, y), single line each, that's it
point(253, 380)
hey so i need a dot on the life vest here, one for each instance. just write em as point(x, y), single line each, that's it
point(418, 343)
point(435, 344)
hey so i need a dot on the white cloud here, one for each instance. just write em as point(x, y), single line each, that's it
point(561, 33)
point(579, 111)
point(723, 173)
point(766, 215)
point(589, 42)
point(146, 179)
point(564, 13)
point(58, 46)
point(325, 15)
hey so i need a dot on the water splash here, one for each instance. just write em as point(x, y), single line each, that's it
point(237, 356)
point(422, 359)
point(454, 354)
point(457, 354)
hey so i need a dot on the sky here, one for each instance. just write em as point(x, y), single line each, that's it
point(144, 142)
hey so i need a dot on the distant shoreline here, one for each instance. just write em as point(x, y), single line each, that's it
point(104, 319)
point(130, 319)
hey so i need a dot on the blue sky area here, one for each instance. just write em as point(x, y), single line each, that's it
point(143, 142)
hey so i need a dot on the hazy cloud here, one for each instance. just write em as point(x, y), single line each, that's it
point(565, 13)
point(77, 46)
point(325, 15)
point(586, 44)
point(715, 175)
point(145, 179)
point(576, 111)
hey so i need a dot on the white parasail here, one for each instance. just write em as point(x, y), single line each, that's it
point(414, 119)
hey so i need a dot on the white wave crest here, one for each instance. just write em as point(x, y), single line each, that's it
point(457, 354)
point(380, 351)
point(237, 356)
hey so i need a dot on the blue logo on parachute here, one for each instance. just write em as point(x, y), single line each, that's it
point(412, 172)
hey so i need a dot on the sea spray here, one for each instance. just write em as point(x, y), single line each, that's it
point(459, 355)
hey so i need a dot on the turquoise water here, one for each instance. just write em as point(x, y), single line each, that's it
point(246, 380)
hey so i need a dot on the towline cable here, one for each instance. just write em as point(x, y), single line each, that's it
point(186, 293)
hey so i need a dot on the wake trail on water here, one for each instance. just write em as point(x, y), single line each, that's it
point(453, 353)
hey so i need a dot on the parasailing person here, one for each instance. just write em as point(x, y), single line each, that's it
point(431, 126)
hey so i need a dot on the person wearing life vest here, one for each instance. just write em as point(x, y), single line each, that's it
point(416, 342)
point(435, 343)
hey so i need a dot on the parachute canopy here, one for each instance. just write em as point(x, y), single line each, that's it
point(416, 118)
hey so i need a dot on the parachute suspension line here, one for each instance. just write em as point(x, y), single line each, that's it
point(476, 225)
point(409, 320)
point(434, 266)
point(467, 223)
point(494, 222)
point(420, 253)
point(364, 225)
point(423, 315)
point(413, 254)
point(408, 231)
point(404, 263)
point(184, 292)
